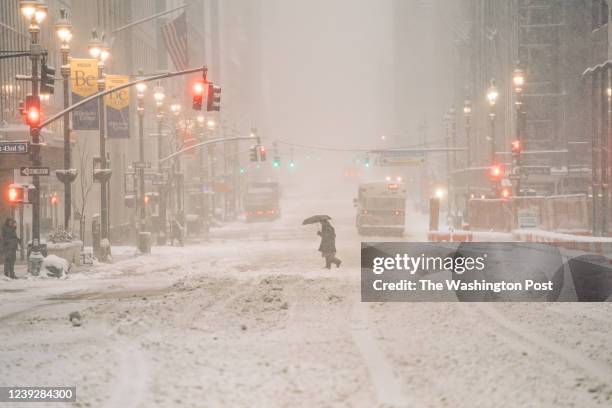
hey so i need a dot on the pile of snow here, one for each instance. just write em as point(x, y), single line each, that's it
point(54, 267)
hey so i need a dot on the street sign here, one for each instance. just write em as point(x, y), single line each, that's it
point(401, 158)
point(34, 171)
point(20, 147)
point(542, 170)
point(142, 165)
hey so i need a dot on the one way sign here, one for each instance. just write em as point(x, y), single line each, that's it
point(34, 171)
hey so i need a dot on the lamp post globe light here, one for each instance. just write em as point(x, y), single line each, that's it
point(35, 12)
point(63, 29)
point(99, 50)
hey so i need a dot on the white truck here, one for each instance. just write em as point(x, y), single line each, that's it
point(381, 208)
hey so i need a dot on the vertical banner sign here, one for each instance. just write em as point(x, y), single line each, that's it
point(117, 108)
point(83, 81)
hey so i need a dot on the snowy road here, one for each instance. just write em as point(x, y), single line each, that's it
point(251, 319)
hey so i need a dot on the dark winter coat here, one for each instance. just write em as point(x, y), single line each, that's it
point(328, 238)
point(10, 241)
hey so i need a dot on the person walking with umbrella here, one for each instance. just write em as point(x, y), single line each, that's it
point(328, 244)
point(328, 239)
point(10, 241)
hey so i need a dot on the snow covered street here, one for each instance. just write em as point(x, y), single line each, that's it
point(250, 319)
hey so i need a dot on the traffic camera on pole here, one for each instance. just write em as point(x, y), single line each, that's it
point(213, 98)
point(198, 95)
point(31, 111)
point(47, 79)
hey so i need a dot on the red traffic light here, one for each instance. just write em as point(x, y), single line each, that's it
point(496, 172)
point(54, 200)
point(198, 88)
point(16, 193)
point(198, 95)
point(505, 193)
point(147, 199)
point(516, 146)
point(262, 153)
point(31, 112)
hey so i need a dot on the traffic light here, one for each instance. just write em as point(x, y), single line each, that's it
point(16, 194)
point(32, 111)
point(276, 162)
point(47, 79)
point(213, 98)
point(292, 164)
point(505, 193)
point(253, 154)
point(496, 172)
point(262, 153)
point(366, 162)
point(516, 146)
point(198, 95)
point(242, 170)
point(54, 200)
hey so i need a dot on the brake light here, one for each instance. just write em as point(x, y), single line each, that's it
point(393, 186)
point(271, 212)
point(260, 212)
point(364, 212)
point(399, 212)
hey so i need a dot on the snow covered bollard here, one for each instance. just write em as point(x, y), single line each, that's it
point(54, 267)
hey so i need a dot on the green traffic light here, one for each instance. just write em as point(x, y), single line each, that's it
point(242, 170)
point(291, 164)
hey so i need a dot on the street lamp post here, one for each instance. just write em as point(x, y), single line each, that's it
point(63, 28)
point(210, 125)
point(201, 121)
point(492, 95)
point(518, 81)
point(99, 50)
point(35, 11)
point(448, 120)
point(467, 113)
point(140, 94)
point(159, 95)
point(176, 110)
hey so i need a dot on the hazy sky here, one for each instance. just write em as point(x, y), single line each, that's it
point(327, 70)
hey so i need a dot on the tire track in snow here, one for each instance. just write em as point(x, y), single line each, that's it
point(130, 386)
point(387, 385)
point(600, 371)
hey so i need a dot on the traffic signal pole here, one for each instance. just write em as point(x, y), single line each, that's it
point(35, 258)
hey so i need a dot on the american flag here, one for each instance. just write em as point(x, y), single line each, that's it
point(175, 38)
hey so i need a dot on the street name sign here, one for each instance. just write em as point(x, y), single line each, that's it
point(34, 171)
point(142, 165)
point(20, 147)
point(401, 158)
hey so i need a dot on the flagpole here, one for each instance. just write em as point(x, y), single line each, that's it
point(144, 20)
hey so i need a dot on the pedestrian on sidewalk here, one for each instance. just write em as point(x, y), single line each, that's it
point(10, 242)
point(328, 244)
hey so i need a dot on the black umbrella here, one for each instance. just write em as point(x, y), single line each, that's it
point(315, 219)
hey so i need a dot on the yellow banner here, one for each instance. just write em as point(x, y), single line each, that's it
point(84, 76)
point(120, 99)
